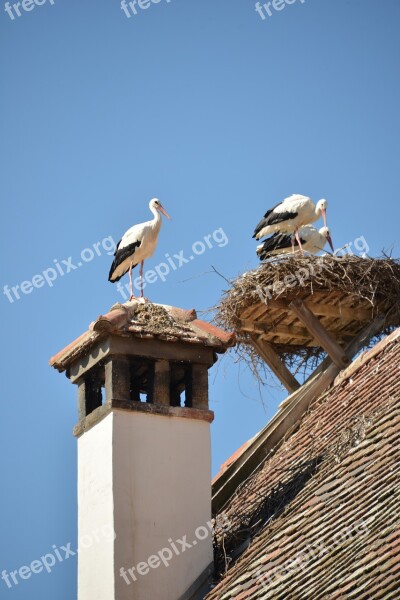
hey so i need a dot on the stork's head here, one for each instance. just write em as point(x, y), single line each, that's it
point(321, 207)
point(259, 249)
point(156, 205)
point(327, 235)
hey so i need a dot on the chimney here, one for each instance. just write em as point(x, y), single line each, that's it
point(144, 480)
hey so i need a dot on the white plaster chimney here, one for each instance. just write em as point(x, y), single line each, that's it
point(144, 476)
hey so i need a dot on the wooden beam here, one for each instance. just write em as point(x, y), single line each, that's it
point(300, 333)
point(266, 328)
point(320, 333)
point(276, 365)
point(322, 378)
point(340, 312)
point(254, 326)
point(255, 311)
point(335, 311)
point(364, 337)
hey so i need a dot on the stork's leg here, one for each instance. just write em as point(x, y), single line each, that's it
point(130, 281)
point(299, 242)
point(292, 239)
point(141, 278)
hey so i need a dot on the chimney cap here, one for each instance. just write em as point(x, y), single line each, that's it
point(143, 319)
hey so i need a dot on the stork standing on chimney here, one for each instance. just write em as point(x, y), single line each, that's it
point(136, 245)
point(289, 215)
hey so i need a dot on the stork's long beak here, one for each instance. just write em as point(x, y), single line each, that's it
point(330, 243)
point(164, 212)
point(323, 211)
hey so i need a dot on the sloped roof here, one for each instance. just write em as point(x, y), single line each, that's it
point(319, 518)
point(146, 320)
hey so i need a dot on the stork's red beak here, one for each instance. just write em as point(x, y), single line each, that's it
point(330, 243)
point(164, 212)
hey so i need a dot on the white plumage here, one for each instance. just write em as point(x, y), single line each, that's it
point(136, 245)
point(312, 240)
point(290, 214)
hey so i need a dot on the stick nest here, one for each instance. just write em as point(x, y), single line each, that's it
point(368, 282)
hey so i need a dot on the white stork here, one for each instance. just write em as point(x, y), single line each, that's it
point(312, 241)
point(136, 245)
point(289, 215)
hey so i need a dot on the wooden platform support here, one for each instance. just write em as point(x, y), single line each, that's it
point(327, 371)
point(276, 365)
point(298, 333)
point(319, 333)
point(328, 310)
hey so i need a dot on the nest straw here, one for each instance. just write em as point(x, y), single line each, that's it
point(375, 281)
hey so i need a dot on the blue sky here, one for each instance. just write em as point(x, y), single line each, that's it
point(218, 113)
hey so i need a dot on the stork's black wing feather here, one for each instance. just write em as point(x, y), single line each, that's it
point(278, 241)
point(120, 256)
point(271, 218)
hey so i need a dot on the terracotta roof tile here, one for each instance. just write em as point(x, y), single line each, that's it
point(116, 319)
point(212, 331)
point(321, 515)
point(74, 349)
point(233, 457)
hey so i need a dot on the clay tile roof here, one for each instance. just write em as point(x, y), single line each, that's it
point(146, 320)
point(232, 458)
point(319, 517)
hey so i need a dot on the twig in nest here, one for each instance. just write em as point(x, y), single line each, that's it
point(220, 274)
